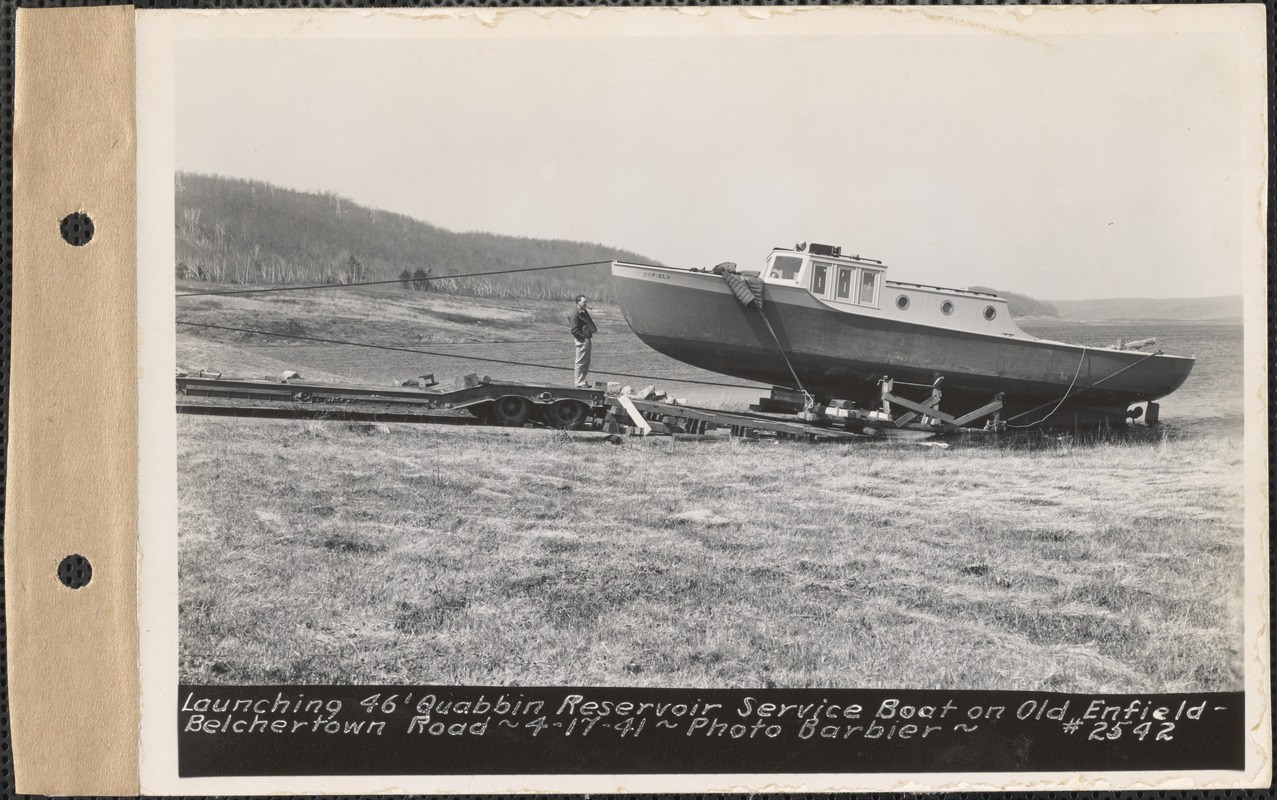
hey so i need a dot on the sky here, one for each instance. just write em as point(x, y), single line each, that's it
point(1067, 156)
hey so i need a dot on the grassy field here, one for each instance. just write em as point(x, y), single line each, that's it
point(315, 552)
point(321, 552)
point(446, 335)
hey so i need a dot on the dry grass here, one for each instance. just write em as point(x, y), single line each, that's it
point(317, 552)
point(331, 552)
point(379, 315)
point(455, 332)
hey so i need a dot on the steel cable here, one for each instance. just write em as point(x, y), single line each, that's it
point(385, 282)
point(455, 355)
point(1070, 393)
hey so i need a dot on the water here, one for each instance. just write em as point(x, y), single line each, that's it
point(1212, 395)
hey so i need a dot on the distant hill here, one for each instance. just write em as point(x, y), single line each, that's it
point(1194, 308)
point(1021, 305)
point(250, 232)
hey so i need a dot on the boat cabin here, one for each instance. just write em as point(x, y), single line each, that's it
point(824, 271)
point(859, 285)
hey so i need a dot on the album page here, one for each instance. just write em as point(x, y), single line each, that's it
point(655, 399)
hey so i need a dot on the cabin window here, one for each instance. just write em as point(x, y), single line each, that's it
point(843, 290)
point(946, 308)
point(786, 268)
point(902, 302)
point(990, 312)
point(868, 288)
point(819, 278)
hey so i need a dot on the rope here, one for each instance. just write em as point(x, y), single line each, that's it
point(748, 298)
point(811, 401)
point(454, 355)
point(396, 280)
point(1069, 393)
point(1072, 383)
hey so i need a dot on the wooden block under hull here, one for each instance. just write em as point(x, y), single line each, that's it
point(904, 434)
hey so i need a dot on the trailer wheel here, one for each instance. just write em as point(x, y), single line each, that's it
point(511, 410)
point(482, 411)
point(566, 415)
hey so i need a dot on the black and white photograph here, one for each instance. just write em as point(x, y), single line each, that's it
point(841, 392)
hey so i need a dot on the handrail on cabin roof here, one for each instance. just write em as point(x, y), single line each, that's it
point(945, 289)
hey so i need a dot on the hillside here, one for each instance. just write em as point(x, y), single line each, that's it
point(249, 232)
point(1187, 308)
point(1021, 305)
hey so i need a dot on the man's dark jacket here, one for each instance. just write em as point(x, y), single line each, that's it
point(582, 326)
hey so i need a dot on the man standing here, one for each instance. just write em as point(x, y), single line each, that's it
point(583, 330)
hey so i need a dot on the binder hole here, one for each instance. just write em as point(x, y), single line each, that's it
point(77, 229)
point(75, 571)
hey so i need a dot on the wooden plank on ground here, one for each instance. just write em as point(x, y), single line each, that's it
point(635, 415)
point(982, 411)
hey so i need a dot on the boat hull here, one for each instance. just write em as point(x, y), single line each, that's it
point(695, 318)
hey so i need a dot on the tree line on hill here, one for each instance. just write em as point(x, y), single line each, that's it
point(1021, 305)
point(231, 230)
point(1220, 308)
point(238, 231)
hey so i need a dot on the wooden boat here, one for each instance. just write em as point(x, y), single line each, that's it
point(834, 327)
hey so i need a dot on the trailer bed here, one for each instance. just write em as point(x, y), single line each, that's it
point(472, 398)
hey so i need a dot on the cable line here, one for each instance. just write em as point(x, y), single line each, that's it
point(396, 280)
point(1070, 393)
point(303, 345)
point(441, 344)
point(454, 355)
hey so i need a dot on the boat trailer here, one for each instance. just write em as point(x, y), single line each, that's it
point(417, 400)
point(479, 400)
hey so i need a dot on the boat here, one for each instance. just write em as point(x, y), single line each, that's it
point(833, 327)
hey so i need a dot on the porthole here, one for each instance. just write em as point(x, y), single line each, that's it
point(902, 302)
point(946, 307)
point(990, 312)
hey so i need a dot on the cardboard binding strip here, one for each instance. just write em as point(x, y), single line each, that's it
point(72, 450)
